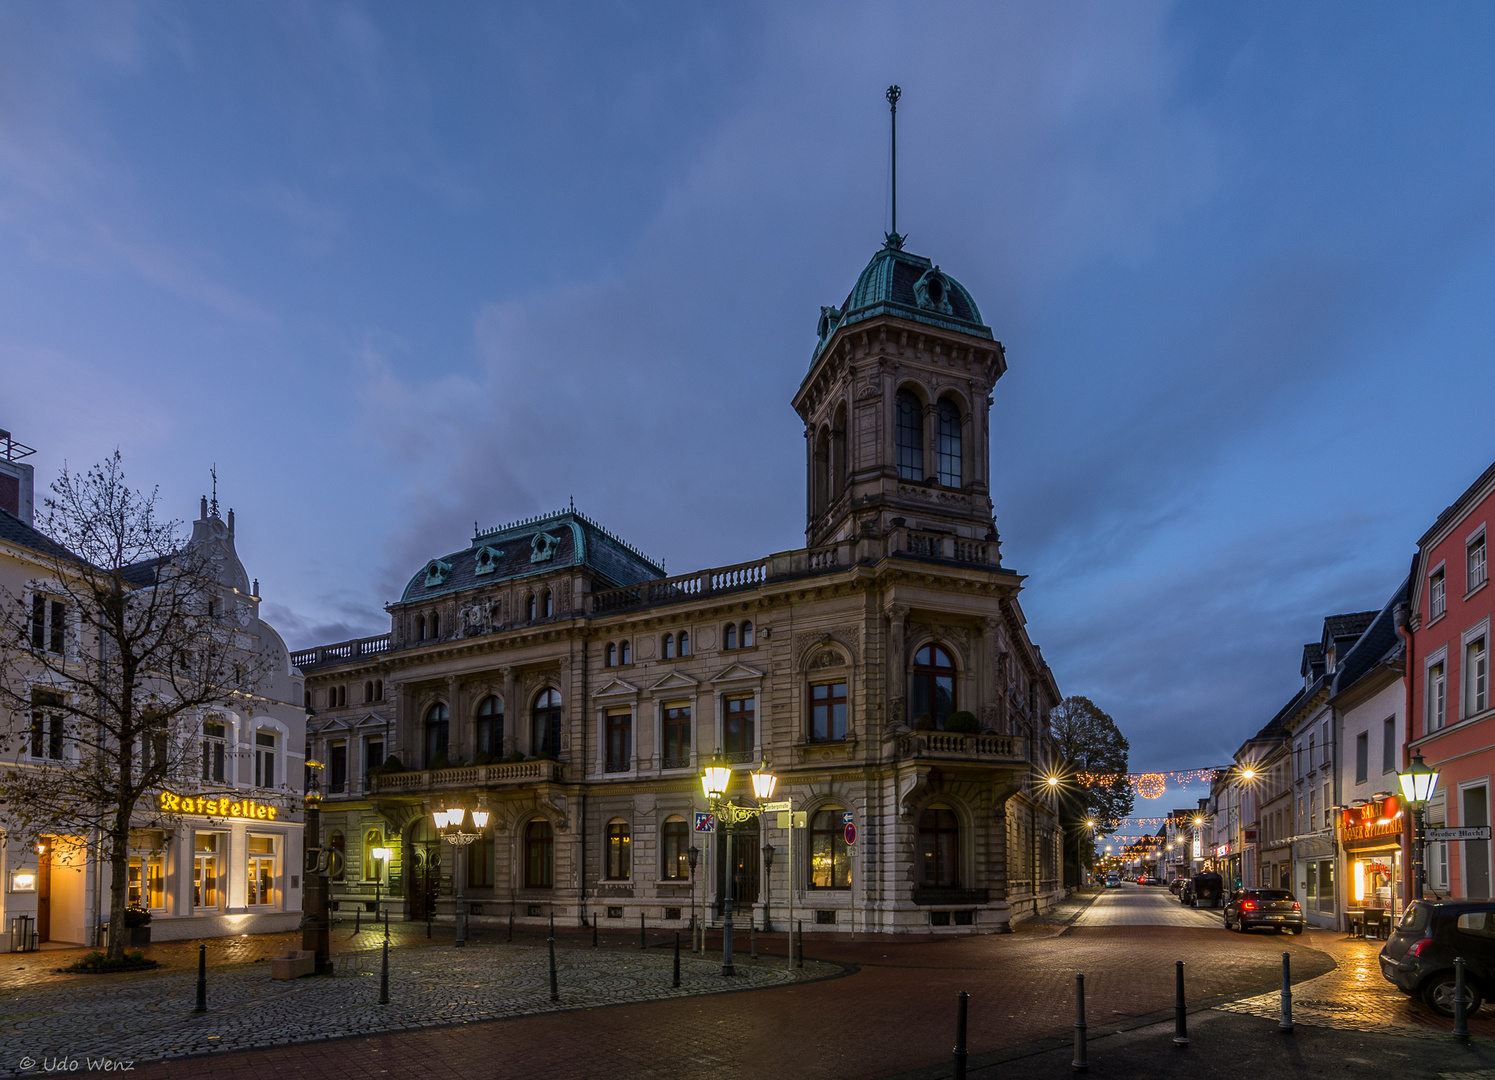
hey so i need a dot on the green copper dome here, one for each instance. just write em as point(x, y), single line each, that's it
point(907, 286)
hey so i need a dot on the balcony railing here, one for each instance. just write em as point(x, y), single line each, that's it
point(952, 747)
point(514, 772)
point(342, 652)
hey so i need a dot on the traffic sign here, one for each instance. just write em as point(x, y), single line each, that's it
point(851, 833)
point(705, 822)
point(1469, 832)
point(846, 817)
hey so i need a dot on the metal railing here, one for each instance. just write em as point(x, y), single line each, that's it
point(514, 772)
point(944, 744)
point(342, 651)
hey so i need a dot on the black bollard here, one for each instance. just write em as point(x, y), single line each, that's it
point(960, 1034)
point(1460, 1000)
point(1285, 1025)
point(677, 958)
point(594, 933)
point(1081, 1063)
point(428, 922)
point(358, 921)
point(511, 927)
point(801, 926)
point(753, 939)
point(1180, 1014)
point(202, 979)
point(384, 975)
point(555, 994)
point(643, 942)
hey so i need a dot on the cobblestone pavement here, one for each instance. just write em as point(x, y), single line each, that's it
point(147, 1016)
point(895, 1014)
point(1355, 996)
point(1145, 905)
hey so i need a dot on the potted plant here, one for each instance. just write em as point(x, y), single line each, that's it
point(138, 923)
point(962, 722)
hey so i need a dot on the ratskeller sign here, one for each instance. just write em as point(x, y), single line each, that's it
point(224, 806)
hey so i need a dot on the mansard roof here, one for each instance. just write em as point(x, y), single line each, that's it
point(897, 282)
point(531, 547)
point(1379, 641)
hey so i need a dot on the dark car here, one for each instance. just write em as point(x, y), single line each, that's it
point(1274, 908)
point(1419, 956)
point(1203, 890)
point(1176, 885)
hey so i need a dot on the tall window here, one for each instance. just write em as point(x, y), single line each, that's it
point(438, 731)
point(612, 655)
point(669, 647)
point(625, 654)
point(933, 686)
point(480, 862)
point(830, 862)
point(1437, 695)
point(261, 871)
point(676, 838)
point(378, 689)
point(1388, 745)
point(47, 731)
point(828, 712)
point(909, 431)
point(619, 736)
point(436, 625)
point(48, 624)
point(947, 444)
point(490, 727)
point(539, 855)
point(547, 604)
point(1437, 594)
point(337, 768)
point(685, 643)
point(676, 736)
point(1476, 677)
point(618, 855)
point(1362, 757)
point(1475, 559)
point(545, 726)
point(939, 845)
point(529, 607)
point(205, 871)
point(372, 871)
point(145, 880)
point(747, 635)
point(264, 759)
point(738, 729)
point(373, 752)
point(729, 636)
point(420, 628)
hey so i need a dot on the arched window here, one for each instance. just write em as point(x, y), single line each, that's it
point(939, 849)
point(437, 726)
point(340, 857)
point(612, 655)
point(676, 839)
point(547, 604)
point(830, 860)
point(420, 628)
point(667, 647)
point(539, 855)
point(529, 607)
point(625, 654)
point(685, 643)
point(435, 626)
point(490, 727)
point(947, 456)
point(822, 478)
point(932, 692)
point(619, 860)
point(368, 692)
point(729, 636)
point(372, 871)
point(545, 730)
point(747, 635)
point(909, 432)
point(342, 696)
point(378, 689)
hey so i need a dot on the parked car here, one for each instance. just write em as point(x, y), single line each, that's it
point(1274, 908)
point(1418, 957)
point(1176, 885)
point(1204, 890)
point(1113, 882)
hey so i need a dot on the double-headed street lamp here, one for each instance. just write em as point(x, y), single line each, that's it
point(449, 825)
point(715, 781)
point(1418, 784)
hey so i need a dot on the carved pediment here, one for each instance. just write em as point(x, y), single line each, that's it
point(371, 721)
point(616, 688)
point(676, 680)
point(737, 673)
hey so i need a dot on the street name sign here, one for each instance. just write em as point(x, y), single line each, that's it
point(1469, 832)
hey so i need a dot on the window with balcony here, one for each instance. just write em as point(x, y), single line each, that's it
point(932, 687)
point(619, 855)
point(490, 727)
point(438, 734)
point(909, 436)
point(676, 734)
point(739, 728)
point(1437, 595)
point(827, 712)
point(676, 842)
point(539, 855)
point(545, 724)
point(939, 849)
point(830, 858)
point(618, 741)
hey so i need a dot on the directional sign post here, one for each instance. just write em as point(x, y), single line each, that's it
point(705, 822)
point(847, 817)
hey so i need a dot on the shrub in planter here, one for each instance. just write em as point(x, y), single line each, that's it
point(962, 723)
point(136, 917)
point(440, 762)
point(924, 723)
point(392, 764)
point(482, 757)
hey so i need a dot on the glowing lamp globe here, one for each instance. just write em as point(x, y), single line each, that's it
point(480, 819)
point(380, 854)
point(1418, 782)
point(715, 779)
point(763, 784)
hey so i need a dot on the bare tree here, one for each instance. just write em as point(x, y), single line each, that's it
point(109, 660)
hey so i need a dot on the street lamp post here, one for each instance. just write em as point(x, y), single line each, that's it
point(449, 824)
point(693, 856)
point(767, 886)
point(1418, 785)
point(381, 859)
point(714, 781)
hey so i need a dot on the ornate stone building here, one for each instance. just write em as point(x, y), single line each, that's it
point(554, 675)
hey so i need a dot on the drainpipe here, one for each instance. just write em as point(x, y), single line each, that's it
point(1403, 618)
point(581, 876)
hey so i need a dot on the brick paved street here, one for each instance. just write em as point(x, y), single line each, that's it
point(1143, 905)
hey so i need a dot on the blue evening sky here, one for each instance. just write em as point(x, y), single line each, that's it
point(398, 268)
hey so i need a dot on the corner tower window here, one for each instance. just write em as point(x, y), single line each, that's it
point(438, 727)
point(909, 431)
point(947, 444)
point(939, 835)
point(545, 732)
point(933, 686)
point(490, 727)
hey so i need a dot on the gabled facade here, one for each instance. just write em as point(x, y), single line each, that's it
point(555, 675)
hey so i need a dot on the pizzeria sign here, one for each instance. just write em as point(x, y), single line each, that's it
point(1380, 817)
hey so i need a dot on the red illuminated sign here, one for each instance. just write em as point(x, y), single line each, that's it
point(1375, 819)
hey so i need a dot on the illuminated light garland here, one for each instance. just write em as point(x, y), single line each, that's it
point(1176, 776)
point(1150, 785)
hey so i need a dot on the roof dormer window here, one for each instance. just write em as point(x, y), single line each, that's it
point(437, 572)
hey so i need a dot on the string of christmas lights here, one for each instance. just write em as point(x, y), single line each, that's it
point(1150, 785)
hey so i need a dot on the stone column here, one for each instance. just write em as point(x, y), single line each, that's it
point(457, 734)
point(513, 712)
point(896, 664)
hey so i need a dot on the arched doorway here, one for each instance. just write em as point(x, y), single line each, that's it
point(423, 879)
point(745, 859)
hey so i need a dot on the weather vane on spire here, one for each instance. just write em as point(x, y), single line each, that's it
point(213, 506)
point(894, 93)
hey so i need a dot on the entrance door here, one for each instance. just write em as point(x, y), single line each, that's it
point(745, 857)
point(44, 894)
point(424, 878)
